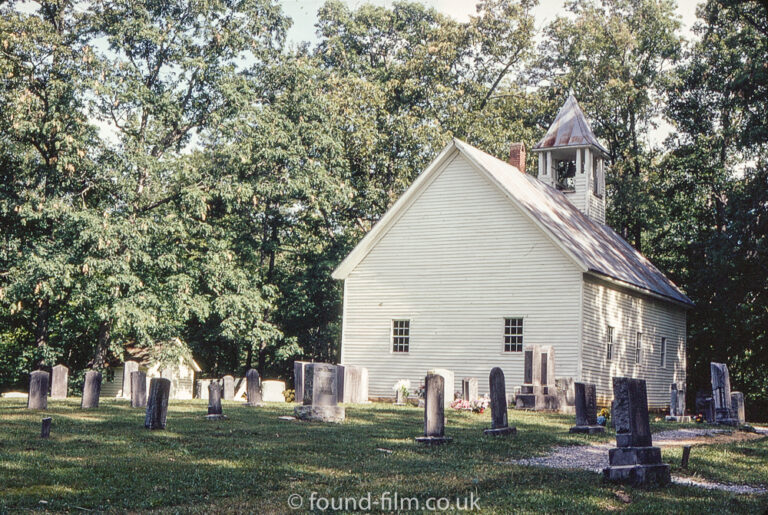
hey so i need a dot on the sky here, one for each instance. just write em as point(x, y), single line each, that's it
point(304, 13)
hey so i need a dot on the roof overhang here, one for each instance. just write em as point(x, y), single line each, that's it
point(639, 289)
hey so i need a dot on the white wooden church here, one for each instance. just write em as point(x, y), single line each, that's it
point(478, 259)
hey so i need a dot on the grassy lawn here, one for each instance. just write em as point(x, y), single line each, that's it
point(106, 460)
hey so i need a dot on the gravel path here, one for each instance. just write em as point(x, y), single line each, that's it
point(595, 458)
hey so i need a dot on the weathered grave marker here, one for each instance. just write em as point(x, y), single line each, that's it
point(45, 429)
point(737, 407)
point(59, 382)
point(499, 424)
point(157, 403)
point(129, 367)
point(721, 394)
point(634, 460)
point(253, 387)
point(469, 389)
point(585, 398)
point(91, 390)
point(228, 383)
point(138, 389)
point(38, 390)
point(320, 402)
point(272, 391)
point(434, 411)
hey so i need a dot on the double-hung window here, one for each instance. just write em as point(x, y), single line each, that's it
point(513, 335)
point(663, 353)
point(609, 344)
point(401, 335)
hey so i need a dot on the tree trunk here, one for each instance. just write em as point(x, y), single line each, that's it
point(102, 345)
point(41, 325)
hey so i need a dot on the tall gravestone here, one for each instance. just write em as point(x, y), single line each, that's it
point(705, 405)
point(228, 383)
point(298, 379)
point(566, 396)
point(469, 389)
point(320, 402)
point(91, 390)
point(434, 411)
point(253, 387)
point(634, 460)
point(499, 424)
point(59, 382)
point(448, 382)
point(585, 400)
point(737, 407)
point(157, 403)
point(38, 390)
point(721, 394)
point(214, 401)
point(129, 367)
point(677, 403)
point(352, 384)
point(538, 391)
point(138, 389)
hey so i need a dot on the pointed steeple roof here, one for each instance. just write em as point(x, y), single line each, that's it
point(570, 129)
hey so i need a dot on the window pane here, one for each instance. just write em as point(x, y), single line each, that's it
point(513, 335)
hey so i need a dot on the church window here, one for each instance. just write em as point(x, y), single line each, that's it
point(513, 335)
point(609, 344)
point(401, 335)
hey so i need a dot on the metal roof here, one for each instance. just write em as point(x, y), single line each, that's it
point(570, 128)
point(595, 246)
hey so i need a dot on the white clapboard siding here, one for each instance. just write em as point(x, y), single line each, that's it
point(628, 312)
point(457, 262)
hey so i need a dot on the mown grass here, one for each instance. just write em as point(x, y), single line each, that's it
point(105, 460)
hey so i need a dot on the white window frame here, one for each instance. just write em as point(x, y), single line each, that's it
point(663, 351)
point(638, 347)
point(521, 335)
point(610, 338)
point(392, 336)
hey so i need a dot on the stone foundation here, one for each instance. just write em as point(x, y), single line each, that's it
point(591, 430)
point(637, 466)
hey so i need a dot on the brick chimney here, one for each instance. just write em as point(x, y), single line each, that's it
point(517, 156)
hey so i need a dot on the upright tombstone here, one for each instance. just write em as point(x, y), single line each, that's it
point(215, 391)
point(352, 384)
point(737, 407)
point(298, 379)
point(538, 391)
point(272, 391)
point(253, 387)
point(566, 395)
point(448, 382)
point(434, 411)
point(129, 367)
point(45, 428)
point(138, 389)
point(677, 403)
point(157, 403)
point(499, 423)
point(59, 382)
point(469, 389)
point(634, 460)
point(721, 394)
point(585, 397)
point(705, 405)
point(228, 383)
point(91, 390)
point(320, 402)
point(38, 390)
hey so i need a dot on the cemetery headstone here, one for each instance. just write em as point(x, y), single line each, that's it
point(634, 460)
point(129, 367)
point(272, 391)
point(737, 406)
point(538, 391)
point(705, 405)
point(320, 402)
point(138, 389)
point(45, 429)
point(448, 383)
point(677, 403)
point(228, 383)
point(59, 382)
point(352, 384)
point(469, 389)
point(298, 379)
point(566, 396)
point(499, 423)
point(253, 387)
point(215, 391)
point(91, 390)
point(434, 411)
point(585, 397)
point(38, 390)
point(157, 403)
point(721, 394)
